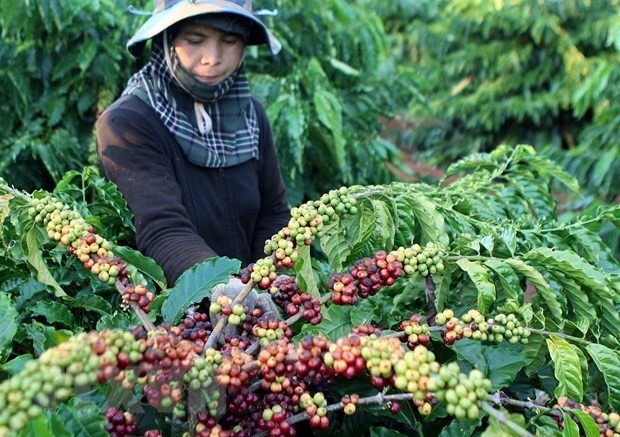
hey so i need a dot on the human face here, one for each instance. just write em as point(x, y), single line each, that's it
point(209, 54)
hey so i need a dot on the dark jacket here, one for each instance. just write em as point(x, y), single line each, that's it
point(185, 213)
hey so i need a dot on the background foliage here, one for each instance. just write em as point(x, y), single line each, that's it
point(58, 68)
point(510, 72)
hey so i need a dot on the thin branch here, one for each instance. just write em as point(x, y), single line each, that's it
point(221, 324)
point(146, 322)
point(430, 293)
point(561, 335)
point(13, 192)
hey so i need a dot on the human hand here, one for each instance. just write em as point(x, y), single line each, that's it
point(254, 300)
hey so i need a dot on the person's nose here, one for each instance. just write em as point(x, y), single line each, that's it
point(211, 54)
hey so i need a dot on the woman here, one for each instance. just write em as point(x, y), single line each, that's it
point(187, 145)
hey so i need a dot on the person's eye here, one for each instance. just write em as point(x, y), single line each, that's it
point(232, 40)
point(193, 41)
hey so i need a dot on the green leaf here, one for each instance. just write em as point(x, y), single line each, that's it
point(508, 280)
point(35, 259)
point(589, 426)
point(460, 428)
point(344, 68)
point(54, 312)
point(360, 227)
point(582, 307)
point(567, 368)
point(82, 418)
point(336, 324)
point(329, 113)
point(46, 425)
point(571, 429)
point(304, 274)
point(143, 263)
point(335, 244)
point(591, 279)
point(480, 277)
point(87, 52)
point(8, 321)
point(45, 337)
point(497, 428)
point(541, 284)
point(405, 233)
point(572, 265)
point(430, 220)
point(501, 363)
point(608, 363)
point(196, 284)
point(296, 127)
point(92, 302)
point(546, 167)
point(386, 221)
point(594, 249)
point(384, 432)
point(118, 320)
point(16, 365)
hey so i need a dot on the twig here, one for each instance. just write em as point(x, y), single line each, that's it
point(146, 322)
point(561, 335)
point(13, 192)
point(500, 417)
point(221, 324)
point(430, 293)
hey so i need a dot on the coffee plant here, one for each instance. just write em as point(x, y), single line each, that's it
point(464, 306)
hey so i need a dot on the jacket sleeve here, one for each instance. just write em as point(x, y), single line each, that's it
point(130, 147)
point(274, 212)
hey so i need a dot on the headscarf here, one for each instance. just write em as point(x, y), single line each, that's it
point(215, 125)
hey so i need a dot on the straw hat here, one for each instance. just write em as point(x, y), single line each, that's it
point(169, 12)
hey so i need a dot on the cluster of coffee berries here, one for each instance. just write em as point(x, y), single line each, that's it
point(236, 313)
point(274, 420)
point(231, 374)
point(262, 272)
point(461, 392)
point(453, 328)
point(274, 365)
point(418, 259)
point(206, 425)
point(412, 374)
point(287, 295)
point(504, 327)
point(364, 278)
point(200, 381)
point(117, 350)
point(284, 251)
point(70, 229)
point(52, 378)
point(608, 424)
point(310, 365)
point(138, 294)
point(120, 423)
point(269, 329)
point(367, 329)
point(315, 407)
point(381, 354)
point(307, 220)
point(350, 403)
point(345, 356)
point(416, 332)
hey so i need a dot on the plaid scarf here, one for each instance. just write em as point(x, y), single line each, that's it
point(215, 125)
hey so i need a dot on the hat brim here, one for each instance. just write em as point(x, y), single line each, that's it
point(185, 9)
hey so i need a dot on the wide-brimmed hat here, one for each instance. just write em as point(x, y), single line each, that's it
point(169, 12)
